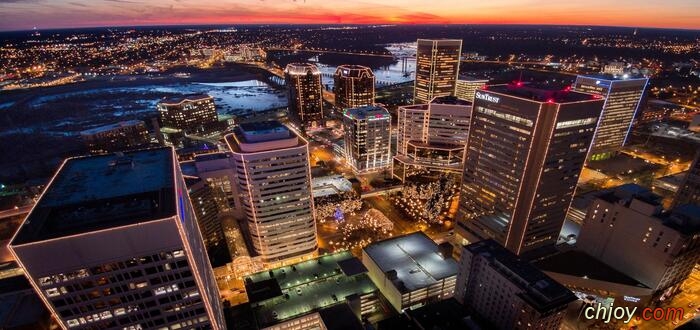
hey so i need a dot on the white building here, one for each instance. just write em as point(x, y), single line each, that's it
point(367, 138)
point(113, 243)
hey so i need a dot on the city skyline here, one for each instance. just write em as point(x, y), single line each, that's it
point(45, 14)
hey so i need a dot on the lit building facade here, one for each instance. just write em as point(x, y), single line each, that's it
point(622, 99)
point(274, 184)
point(353, 86)
point(207, 202)
point(629, 229)
point(128, 257)
point(410, 270)
point(437, 67)
point(527, 146)
point(122, 136)
point(191, 113)
point(509, 292)
point(689, 190)
point(367, 138)
point(305, 94)
point(432, 136)
point(467, 86)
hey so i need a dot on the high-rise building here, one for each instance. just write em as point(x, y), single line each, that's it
point(410, 270)
point(432, 136)
point(527, 146)
point(467, 86)
point(113, 243)
point(367, 138)
point(190, 113)
point(437, 67)
point(689, 190)
point(122, 136)
point(353, 86)
point(274, 184)
point(622, 98)
point(509, 292)
point(628, 229)
point(207, 201)
point(305, 94)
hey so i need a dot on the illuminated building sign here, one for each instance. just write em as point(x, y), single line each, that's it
point(487, 97)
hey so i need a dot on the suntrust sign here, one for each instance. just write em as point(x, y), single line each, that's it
point(487, 97)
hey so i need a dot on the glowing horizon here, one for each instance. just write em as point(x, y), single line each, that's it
point(51, 14)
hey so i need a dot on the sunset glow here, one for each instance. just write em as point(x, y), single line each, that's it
point(44, 14)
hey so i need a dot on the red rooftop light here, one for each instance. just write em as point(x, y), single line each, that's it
point(550, 100)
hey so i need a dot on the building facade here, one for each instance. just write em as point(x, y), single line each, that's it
point(432, 136)
point(353, 86)
point(122, 136)
point(158, 274)
point(274, 184)
point(208, 202)
point(622, 99)
point(191, 113)
point(305, 94)
point(689, 190)
point(527, 146)
point(367, 138)
point(437, 67)
point(467, 86)
point(629, 229)
point(507, 291)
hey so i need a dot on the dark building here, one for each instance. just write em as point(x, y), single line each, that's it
point(305, 94)
point(190, 113)
point(689, 190)
point(527, 145)
point(442, 315)
point(437, 67)
point(122, 136)
point(207, 201)
point(508, 292)
point(354, 86)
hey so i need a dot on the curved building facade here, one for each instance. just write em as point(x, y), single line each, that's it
point(354, 86)
point(305, 94)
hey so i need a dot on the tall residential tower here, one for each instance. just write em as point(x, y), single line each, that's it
point(305, 94)
point(437, 67)
point(354, 86)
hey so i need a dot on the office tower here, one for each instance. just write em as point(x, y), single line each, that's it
point(207, 202)
point(467, 86)
point(689, 190)
point(353, 86)
point(121, 136)
point(437, 67)
point(190, 113)
point(509, 292)
point(432, 136)
point(615, 68)
point(113, 243)
point(274, 183)
point(527, 146)
point(305, 94)
point(410, 270)
point(628, 229)
point(367, 138)
point(622, 98)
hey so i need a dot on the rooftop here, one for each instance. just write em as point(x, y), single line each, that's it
point(354, 71)
point(369, 112)
point(540, 92)
point(472, 78)
point(450, 100)
point(100, 192)
point(262, 136)
point(539, 290)
point(579, 264)
point(611, 77)
point(301, 69)
point(415, 258)
point(111, 127)
point(184, 98)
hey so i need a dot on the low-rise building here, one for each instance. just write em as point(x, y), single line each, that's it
point(122, 136)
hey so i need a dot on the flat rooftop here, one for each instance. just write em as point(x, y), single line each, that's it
point(611, 77)
point(539, 290)
point(367, 112)
point(263, 131)
point(541, 93)
point(100, 192)
point(415, 258)
point(180, 99)
point(580, 264)
point(111, 127)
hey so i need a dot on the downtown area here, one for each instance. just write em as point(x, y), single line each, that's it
point(345, 176)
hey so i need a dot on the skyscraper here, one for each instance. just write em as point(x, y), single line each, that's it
point(354, 86)
point(526, 150)
point(273, 180)
point(305, 94)
point(467, 86)
point(190, 113)
point(437, 67)
point(367, 138)
point(432, 136)
point(689, 190)
point(113, 243)
point(509, 292)
point(622, 98)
